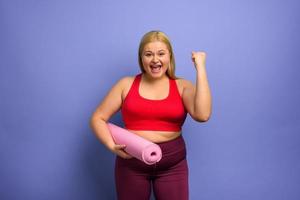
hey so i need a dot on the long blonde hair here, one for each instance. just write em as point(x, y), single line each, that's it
point(153, 36)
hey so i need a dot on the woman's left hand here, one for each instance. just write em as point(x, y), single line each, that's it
point(199, 58)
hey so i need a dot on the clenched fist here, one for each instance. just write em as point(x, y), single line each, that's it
point(199, 58)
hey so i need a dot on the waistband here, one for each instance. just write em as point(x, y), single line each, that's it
point(174, 145)
point(173, 152)
point(171, 141)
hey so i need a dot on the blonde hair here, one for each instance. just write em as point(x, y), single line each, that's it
point(153, 36)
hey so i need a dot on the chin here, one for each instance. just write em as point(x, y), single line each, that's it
point(160, 74)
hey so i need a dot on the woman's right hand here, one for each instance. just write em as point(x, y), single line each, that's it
point(119, 150)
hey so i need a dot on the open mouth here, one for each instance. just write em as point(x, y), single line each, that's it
point(155, 68)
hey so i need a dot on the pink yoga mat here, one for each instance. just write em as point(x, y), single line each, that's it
point(136, 146)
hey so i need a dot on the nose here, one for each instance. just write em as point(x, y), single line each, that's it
point(155, 59)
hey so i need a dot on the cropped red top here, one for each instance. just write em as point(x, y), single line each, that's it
point(139, 113)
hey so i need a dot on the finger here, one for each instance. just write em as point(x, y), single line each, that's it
point(127, 156)
point(120, 146)
point(193, 59)
point(123, 154)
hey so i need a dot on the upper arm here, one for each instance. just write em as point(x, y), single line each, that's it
point(188, 95)
point(112, 102)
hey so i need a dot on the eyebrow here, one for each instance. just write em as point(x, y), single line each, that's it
point(151, 51)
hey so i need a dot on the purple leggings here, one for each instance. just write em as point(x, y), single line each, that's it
point(169, 177)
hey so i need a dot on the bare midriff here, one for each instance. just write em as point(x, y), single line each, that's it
point(157, 136)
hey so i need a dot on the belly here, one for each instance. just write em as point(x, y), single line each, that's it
point(157, 136)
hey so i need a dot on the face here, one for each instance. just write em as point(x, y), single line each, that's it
point(156, 59)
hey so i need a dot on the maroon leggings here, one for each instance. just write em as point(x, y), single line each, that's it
point(169, 177)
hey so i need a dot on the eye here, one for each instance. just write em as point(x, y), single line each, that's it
point(161, 54)
point(148, 54)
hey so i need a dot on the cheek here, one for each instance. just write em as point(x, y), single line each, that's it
point(166, 60)
point(145, 61)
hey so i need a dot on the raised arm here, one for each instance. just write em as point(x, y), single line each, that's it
point(197, 99)
point(109, 106)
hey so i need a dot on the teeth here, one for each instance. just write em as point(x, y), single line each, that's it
point(155, 66)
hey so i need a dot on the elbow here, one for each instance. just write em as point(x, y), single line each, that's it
point(202, 118)
point(94, 119)
point(203, 114)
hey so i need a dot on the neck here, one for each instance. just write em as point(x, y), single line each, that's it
point(150, 79)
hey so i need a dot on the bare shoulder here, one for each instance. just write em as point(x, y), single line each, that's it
point(183, 83)
point(125, 80)
point(125, 83)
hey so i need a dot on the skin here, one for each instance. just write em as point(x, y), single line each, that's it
point(155, 53)
point(196, 99)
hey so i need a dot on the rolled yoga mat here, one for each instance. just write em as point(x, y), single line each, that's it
point(138, 147)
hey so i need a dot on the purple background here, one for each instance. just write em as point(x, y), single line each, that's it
point(59, 58)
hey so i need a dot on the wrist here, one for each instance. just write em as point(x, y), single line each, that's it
point(200, 68)
point(110, 146)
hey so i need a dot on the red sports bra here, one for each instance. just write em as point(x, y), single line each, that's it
point(139, 113)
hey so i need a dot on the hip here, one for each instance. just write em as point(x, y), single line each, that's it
point(173, 152)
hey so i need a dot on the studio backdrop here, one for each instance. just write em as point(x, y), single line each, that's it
point(58, 60)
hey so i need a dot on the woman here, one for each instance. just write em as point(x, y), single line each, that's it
point(154, 105)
